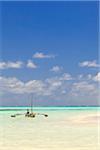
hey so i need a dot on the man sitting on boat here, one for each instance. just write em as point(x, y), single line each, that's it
point(28, 114)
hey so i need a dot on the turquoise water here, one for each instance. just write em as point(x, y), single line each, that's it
point(50, 108)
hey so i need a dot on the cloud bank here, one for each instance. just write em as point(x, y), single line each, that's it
point(63, 89)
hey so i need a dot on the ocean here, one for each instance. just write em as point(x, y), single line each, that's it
point(65, 128)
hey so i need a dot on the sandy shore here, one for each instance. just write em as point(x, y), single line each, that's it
point(62, 130)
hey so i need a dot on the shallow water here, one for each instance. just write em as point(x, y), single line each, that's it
point(66, 128)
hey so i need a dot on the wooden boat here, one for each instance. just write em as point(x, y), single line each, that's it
point(30, 114)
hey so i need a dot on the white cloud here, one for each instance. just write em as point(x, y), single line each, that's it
point(83, 88)
point(83, 77)
point(10, 64)
point(41, 55)
point(35, 86)
point(97, 77)
point(61, 88)
point(39, 87)
point(60, 79)
point(89, 77)
point(56, 69)
point(30, 64)
point(17, 64)
point(66, 76)
point(53, 82)
point(3, 65)
point(13, 85)
point(89, 64)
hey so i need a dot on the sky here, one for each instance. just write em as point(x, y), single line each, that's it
point(49, 50)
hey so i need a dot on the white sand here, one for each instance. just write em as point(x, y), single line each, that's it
point(62, 130)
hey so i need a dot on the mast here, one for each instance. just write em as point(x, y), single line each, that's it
point(31, 103)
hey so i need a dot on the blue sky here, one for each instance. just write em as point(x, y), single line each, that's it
point(45, 41)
